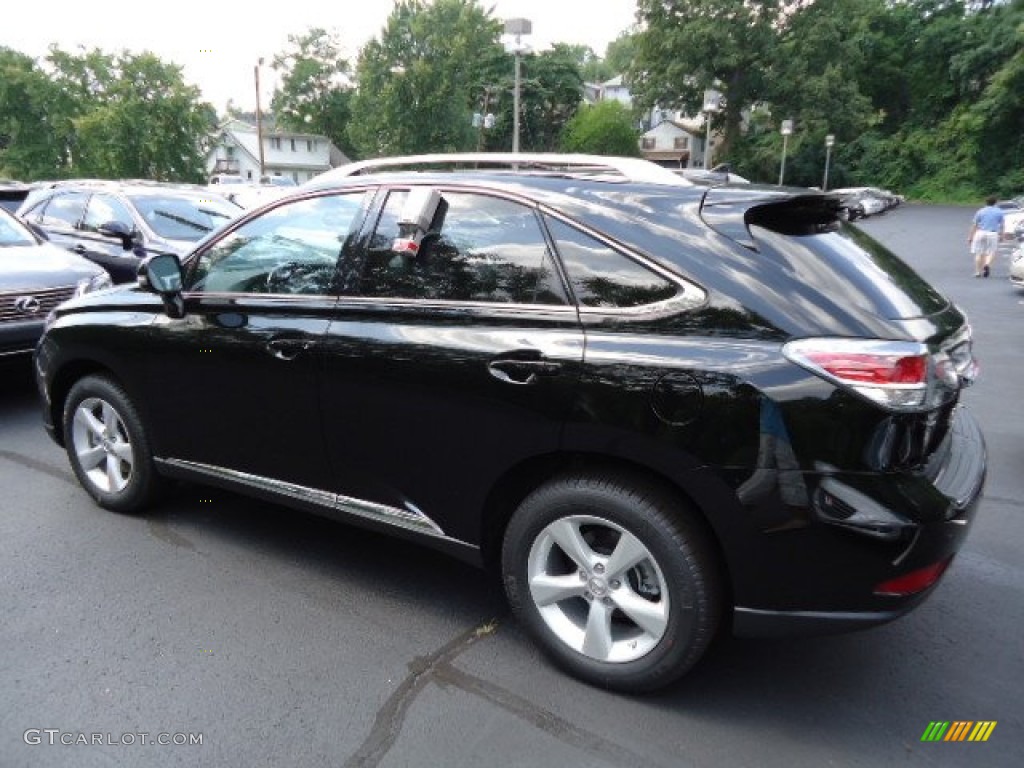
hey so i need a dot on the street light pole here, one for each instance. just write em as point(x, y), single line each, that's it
point(515, 102)
point(259, 119)
point(712, 102)
point(787, 129)
point(830, 141)
point(517, 27)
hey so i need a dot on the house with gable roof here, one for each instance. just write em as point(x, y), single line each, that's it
point(297, 156)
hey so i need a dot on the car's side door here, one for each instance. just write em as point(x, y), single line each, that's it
point(444, 370)
point(238, 375)
point(106, 249)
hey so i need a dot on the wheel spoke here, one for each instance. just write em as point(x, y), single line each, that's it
point(91, 457)
point(627, 553)
point(110, 419)
point(567, 536)
point(650, 617)
point(548, 589)
point(124, 452)
point(114, 476)
point(86, 418)
point(597, 639)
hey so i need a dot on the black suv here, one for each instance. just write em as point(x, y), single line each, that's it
point(116, 224)
point(660, 410)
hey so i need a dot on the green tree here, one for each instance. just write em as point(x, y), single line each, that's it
point(816, 82)
point(34, 136)
point(605, 128)
point(419, 83)
point(316, 92)
point(619, 54)
point(551, 91)
point(133, 116)
point(686, 46)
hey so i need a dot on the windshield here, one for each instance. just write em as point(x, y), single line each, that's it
point(184, 218)
point(13, 232)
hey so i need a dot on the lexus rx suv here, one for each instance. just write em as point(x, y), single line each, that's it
point(660, 411)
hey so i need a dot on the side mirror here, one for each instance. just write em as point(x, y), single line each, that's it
point(161, 274)
point(120, 230)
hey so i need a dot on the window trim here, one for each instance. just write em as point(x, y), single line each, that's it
point(691, 296)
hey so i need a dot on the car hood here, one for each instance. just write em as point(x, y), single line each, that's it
point(42, 266)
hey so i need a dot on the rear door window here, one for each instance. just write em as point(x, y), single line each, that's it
point(480, 249)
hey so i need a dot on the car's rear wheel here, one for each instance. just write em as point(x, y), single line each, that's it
point(107, 445)
point(615, 580)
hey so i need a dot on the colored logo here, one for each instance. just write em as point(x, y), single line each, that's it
point(959, 730)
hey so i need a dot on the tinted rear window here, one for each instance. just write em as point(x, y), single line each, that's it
point(852, 268)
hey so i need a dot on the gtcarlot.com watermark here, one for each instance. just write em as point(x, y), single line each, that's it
point(54, 736)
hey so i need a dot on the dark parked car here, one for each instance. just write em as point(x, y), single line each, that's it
point(116, 224)
point(660, 410)
point(35, 277)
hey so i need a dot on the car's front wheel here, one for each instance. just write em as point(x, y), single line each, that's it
point(107, 445)
point(614, 579)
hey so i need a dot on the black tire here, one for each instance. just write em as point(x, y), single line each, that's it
point(680, 563)
point(123, 477)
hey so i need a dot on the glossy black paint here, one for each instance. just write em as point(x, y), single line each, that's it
point(456, 411)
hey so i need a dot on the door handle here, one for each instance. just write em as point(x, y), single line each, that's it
point(522, 372)
point(287, 349)
point(79, 248)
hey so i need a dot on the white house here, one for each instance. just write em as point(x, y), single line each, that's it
point(674, 143)
point(298, 156)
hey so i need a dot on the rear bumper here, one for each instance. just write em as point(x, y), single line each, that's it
point(925, 517)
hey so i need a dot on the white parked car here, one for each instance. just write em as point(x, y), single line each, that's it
point(1017, 267)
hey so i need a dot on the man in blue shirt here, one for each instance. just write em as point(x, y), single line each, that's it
point(986, 232)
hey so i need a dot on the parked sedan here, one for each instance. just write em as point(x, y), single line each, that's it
point(658, 410)
point(35, 277)
point(116, 224)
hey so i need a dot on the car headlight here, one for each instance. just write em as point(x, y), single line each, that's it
point(95, 283)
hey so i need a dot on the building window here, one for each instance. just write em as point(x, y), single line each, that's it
point(230, 151)
point(647, 142)
point(293, 145)
point(275, 142)
point(682, 142)
point(310, 145)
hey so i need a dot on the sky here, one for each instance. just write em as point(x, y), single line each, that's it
point(218, 42)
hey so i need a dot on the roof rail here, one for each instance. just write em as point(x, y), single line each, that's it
point(628, 168)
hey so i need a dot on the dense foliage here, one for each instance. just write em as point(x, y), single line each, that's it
point(92, 113)
point(315, 94)
point(923, 96)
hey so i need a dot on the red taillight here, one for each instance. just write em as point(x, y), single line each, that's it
point(870, 368)
point(897, 375)
point(915, 581)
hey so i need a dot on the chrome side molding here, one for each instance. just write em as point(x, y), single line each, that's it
point(411, 519)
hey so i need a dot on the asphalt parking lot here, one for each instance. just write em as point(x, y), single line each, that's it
point(280, 639)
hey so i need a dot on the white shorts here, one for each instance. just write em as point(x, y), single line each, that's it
point(984, 243)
